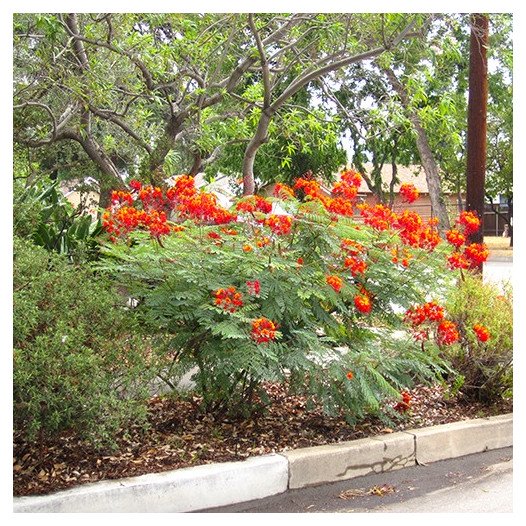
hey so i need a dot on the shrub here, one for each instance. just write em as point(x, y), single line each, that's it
point(76, 365)
point(290, 288)
point(43, 214)
point(484, 355)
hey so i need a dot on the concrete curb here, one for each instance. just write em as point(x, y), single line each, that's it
point(213, 485)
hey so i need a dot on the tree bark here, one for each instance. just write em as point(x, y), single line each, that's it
point(477, 117)
point(427, 158)
point(260, 138)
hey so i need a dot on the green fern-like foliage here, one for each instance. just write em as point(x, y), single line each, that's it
point(320, 333)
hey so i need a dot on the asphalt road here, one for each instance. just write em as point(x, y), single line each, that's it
point(480, 483)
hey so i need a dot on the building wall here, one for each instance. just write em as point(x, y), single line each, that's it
point(422, 205)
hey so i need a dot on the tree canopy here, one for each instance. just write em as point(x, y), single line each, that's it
point(264, 97)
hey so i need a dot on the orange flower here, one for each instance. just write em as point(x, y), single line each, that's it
point(349, 375)
point(482, 332)
point(455, 237)
point(279, 224)
point(335, 282)
point(476, 253)
point(470, 221)
point(409, 193)
point(405, 404)
point(228, 299)
point(447, 333)
point(247, 248)
point(363, 304)
point(355, 265)
point(263, 330)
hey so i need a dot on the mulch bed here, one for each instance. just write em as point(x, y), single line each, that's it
point(180, 437)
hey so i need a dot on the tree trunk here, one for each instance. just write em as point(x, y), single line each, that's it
point(260, 138)
point(426, 155)
point(477, 111)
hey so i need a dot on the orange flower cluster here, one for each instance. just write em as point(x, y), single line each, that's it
point(353, 248)
point(310, 188)
point(200, 205)
point(279, 224)
point(263, 242)
point(409, 193)
point(203, 206)
point(335, 282)
point(343, 192)
point(458, 260)
point(380, 217)
point(482, 332)
point(447, 333)
point(363, 303)
point(283, 191)
point(118, 196)
point(414, 232)
point(263, 330)
point(228, 299)
point(253, 203)
point(455, 238)
point(355, 265)
point(474, 254)
point(405, 404)
point(429, 311)
point(127, 218)
point(470, 221)
point(152, 198)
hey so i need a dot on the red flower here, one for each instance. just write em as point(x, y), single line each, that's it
point(455, 237)
point(253, 203)
point(457, 260)
point(349, 375)
point(118, 196)
point(355, 265)
point(429, 311)
point(135, 185)
point(482, 332)
point(299, 261)
point(351, 178)
point(254, 287)
point(476, 253)
point(363, 303)
point(263, 330)
point(279, 224)
point(335, 282)
point(378, 216)
point(470, 221)
point(213, 235)
point(405, 404)
point(228, 299)
point(447, 333)
point(409, 193)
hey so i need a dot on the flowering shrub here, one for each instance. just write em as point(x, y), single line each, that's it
point(303, 287)
point(483, 355)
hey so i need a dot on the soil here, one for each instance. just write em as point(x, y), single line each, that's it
point(178, 436)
